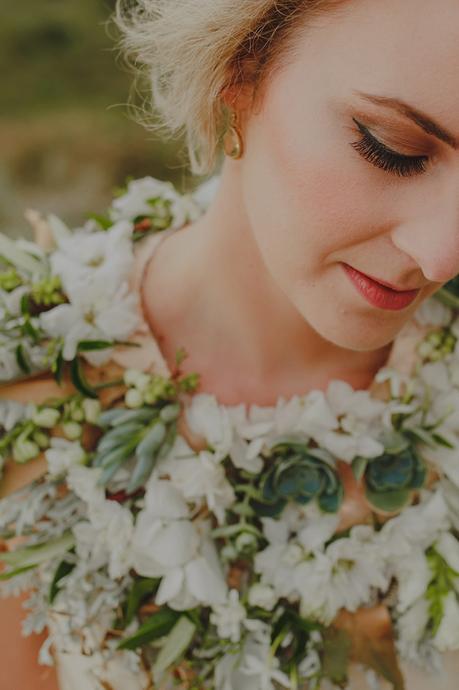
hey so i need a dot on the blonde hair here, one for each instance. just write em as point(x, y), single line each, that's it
point(191, 50)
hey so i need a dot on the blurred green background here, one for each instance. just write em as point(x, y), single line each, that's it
point(67, 134)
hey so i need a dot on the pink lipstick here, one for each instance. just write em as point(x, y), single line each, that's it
point(377, 294)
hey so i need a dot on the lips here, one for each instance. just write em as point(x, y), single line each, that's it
point(377, 294)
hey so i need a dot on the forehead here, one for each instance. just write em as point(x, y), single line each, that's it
point(406, 49)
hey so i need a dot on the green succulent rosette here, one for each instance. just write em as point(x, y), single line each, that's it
point(300, 474)
point(391, 477)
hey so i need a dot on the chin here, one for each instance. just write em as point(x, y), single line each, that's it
point(357, 334)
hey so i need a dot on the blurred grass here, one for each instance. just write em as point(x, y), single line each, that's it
point(67, 136)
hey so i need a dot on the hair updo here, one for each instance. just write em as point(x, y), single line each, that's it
point(191, 50)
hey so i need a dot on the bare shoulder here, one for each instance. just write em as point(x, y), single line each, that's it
point(19, 656)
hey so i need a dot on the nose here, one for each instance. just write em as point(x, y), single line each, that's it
point(430, 236)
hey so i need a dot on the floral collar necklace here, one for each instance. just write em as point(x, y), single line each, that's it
point(240, 564)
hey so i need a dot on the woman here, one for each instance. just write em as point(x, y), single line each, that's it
point(336, 214)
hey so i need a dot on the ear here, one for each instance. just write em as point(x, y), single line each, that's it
point(238, 97)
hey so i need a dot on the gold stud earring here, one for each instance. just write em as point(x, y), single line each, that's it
point(232, 141)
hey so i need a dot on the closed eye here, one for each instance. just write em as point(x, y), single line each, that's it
point(384, 157)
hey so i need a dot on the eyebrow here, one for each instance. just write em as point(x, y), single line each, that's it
point(421, 119)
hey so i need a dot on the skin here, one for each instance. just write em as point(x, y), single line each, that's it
point(260, 273)
point(259, 276)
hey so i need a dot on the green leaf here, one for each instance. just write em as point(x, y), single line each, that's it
point(58, 366)
point(359, 465)
point(447, 298)
point(79, 380)
point(104, 221)
point(177, 642)
point(394, 442)
point(30, 331)
point(141, 589)
point(63, 569)
point(442, 441)
point(22, 360)
point(420, 435)
point(89, 345)
point(158, 625)
point(25, 305)
point(388, 501)
point(38, 553)
point(17, 571)
point(117, 436)
point(142, 415)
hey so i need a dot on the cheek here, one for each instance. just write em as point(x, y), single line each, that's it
point(305, 198)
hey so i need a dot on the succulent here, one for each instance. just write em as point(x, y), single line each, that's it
point(301, 474)
point(391, 477)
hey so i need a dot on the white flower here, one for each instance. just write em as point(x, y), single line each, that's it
point(12, 412)
point(413, 641)
point(317, 416)
point(263, 596)
point(207, 418)
point(347, 446)
point(341, 421)
point(263, 667)
point(448, 548)
point(167, 544)
point(202, 477)
point(413, 575)
point(359, 404)
point(229, 616)
point(447, 635)
point(345, 575)
point(274, 563)
point(63, 455)
point(10, 302)
point(446, 460)
point(318, 528)
point(90, 259)
point(416, 526)
point(95, 313)
point(106, 537)
point(83, 482)
point(137, 201)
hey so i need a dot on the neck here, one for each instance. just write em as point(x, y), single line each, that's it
point(211, 294)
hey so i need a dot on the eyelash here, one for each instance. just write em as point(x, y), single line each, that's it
point(383, 157)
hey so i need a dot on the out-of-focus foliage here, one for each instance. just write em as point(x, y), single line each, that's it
point(67, 135)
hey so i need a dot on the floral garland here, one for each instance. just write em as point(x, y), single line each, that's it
point(228, 567)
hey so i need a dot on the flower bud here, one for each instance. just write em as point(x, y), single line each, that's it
point(136, 378)
point(47, 417)
point(263, 596)
point(133, 398)
point(41, 439)
point(246, 542)
point(228, 553)
point(91, 409)
point(25, 450)
point(72, 430)
point(76, 411)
